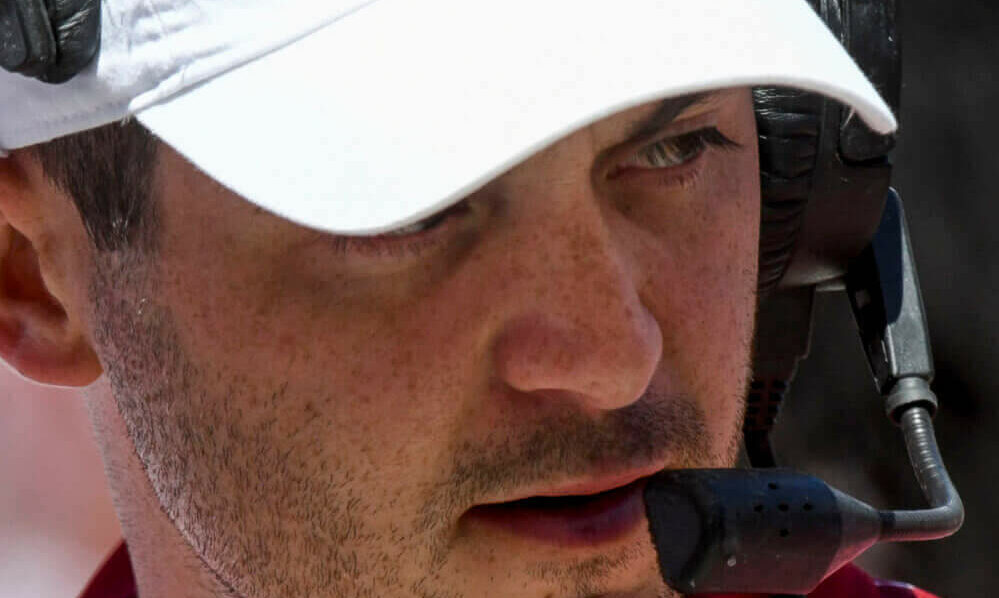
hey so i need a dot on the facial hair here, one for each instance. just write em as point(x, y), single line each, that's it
point(267, 521)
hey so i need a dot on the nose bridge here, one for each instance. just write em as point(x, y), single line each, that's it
point(588, 274)
point(579, 328)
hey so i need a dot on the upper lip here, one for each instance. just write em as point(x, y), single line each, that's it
point(606, 479)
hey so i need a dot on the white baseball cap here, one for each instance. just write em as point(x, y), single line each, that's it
point(359, 116)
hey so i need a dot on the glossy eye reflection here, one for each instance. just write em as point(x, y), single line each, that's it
point(675, 151)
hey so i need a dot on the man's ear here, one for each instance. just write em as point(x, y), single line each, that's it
point(38, 335)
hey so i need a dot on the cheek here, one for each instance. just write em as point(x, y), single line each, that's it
point(701, 287)
point(365, 363)
point(365, 372)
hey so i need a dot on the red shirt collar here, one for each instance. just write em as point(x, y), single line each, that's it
point(115, 580)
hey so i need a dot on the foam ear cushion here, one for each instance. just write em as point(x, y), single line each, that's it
point(788, 123)
point(824, 177)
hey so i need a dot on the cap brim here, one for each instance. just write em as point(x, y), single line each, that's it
point(401, 108)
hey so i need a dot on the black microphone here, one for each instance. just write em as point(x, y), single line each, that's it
point(777, 531)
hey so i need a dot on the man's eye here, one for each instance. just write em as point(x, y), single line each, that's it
point(411, 239)
point(674, 151)
point(427, 223)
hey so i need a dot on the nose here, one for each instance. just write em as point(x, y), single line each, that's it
point(579, 330)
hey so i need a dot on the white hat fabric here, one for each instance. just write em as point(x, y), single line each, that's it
point(357, 117)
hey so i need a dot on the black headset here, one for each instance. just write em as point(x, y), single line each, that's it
point(51, 40)
point(829, 221)
point(824, 181)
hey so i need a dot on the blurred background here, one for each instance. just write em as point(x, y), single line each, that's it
point(56, 522)
point(56, 519)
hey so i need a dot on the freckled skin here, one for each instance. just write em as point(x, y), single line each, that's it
point(314, 421)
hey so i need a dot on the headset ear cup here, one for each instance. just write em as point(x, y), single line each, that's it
point(27, 45)
point(824, 174)
point(51, 41)
point(76, 25)
point(788, 123)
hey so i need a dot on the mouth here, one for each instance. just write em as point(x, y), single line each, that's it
point(568, 520)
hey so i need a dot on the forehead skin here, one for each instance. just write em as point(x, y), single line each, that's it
point(315, 415)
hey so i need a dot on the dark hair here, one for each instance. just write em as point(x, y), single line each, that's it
point(109, 172)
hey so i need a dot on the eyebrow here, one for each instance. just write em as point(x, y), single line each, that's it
point(664, 114)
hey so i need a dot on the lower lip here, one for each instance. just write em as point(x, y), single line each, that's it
point(600, 520)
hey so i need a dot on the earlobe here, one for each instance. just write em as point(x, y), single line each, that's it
point(37, 337)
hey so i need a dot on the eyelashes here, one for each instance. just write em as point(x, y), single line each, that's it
point(411, 239)
point(675, 151)
point(429, 222)
point(664, 155)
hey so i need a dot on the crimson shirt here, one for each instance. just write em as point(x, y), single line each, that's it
point(115, 580)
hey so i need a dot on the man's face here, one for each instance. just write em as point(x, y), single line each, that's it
point(326, 416)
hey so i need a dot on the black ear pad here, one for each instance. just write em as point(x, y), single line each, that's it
point(824, 178)
point(76, 26)
point(50, 40)
point(824, 174)
point(788, 123)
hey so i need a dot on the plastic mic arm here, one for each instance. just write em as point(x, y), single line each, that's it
point(884, 293)
point(774, 531)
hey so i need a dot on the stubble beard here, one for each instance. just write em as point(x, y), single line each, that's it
point(266, 522)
